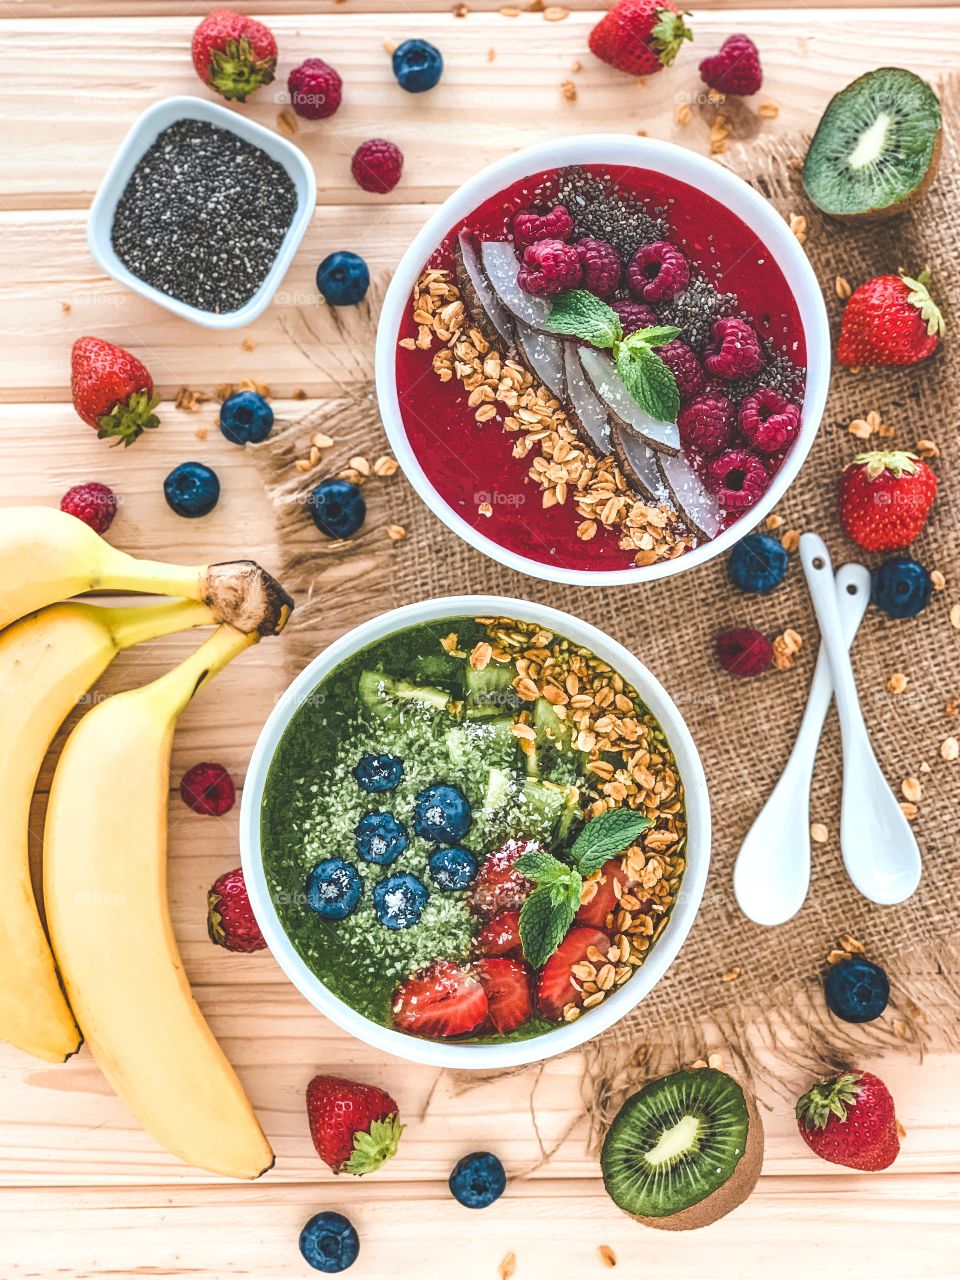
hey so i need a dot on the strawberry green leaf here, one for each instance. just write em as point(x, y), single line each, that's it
point(668, 35)
point(544, 921)
point(650, 382)
point(580, 314)
point(371, 1149)
point(606, 835)
point(919, 297)
point(836, 1097)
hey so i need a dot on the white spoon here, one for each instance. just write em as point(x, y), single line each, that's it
point(772, 872)
point(878, 847)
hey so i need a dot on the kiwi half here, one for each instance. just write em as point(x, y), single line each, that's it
point(876, 148)
point(684, 1151)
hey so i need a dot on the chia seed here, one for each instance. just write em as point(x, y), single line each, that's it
point(600, 211)
point(695, 310)
point(203, 216)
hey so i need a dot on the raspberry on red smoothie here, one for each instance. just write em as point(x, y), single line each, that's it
point(707, 423)
point(682, 362)
point(549, 267)
point(658, 272)
point(738, 478)
point(94, 503)
point(601, 265)
point(208, 788)
point(377, 165)
point(634, 316)
point(768, 420)
point(734, 349)
point(529, 227)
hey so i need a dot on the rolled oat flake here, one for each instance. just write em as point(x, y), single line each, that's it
point(203, 216)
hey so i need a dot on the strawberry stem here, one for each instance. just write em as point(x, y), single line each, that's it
point(897, 462)
point(835, 1097)
point(668, 35)
point(919, 297)
point(371, 1149)
point(129, 418)
point(236, 71)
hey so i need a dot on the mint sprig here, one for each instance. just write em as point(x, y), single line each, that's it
point(577, 313)
point(548, 912)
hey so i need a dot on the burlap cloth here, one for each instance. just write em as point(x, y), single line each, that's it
point(744, 729)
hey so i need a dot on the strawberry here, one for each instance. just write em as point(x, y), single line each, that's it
point(501, 935)
point(112, 390)
point(507, 984)
point(233, 54)
point(499, 886)
point(604, 901)
point(640, 36)
point(849, 1119)
point(355, 1127)
point(230, 919)
point(555, 988)
point(885, 498)
point(890, 320)
point(442, 999)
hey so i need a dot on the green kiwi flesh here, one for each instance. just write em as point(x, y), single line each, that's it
point(876, 147)
point(684, 1150)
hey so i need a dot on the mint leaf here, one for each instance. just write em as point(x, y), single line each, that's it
point(544, 868)
point(544, 923)
point(606, 835)
point(581, 314)
point(657, 335)
point(650, 382)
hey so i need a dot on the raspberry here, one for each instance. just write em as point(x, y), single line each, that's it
point(634, 316)
point(208, 788)
point(738, 478)
point(735, 69)
point(743, 651)
point(377, 165)
point(95, 504)
point(315, 89)
point(734, 351)
point(768, 420)
point(529, 227)
point(707, 423)
point(658, 271)
point(549, 267)
point(601, 266)
point(685, 367)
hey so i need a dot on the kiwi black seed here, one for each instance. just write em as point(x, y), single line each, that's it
point(683, 1151)
point(876, 148)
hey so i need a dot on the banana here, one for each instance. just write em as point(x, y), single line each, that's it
point(47, 555)
point(47, 662)
point(105, 890)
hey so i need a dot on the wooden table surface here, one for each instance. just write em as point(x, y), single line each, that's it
point(83, 1192)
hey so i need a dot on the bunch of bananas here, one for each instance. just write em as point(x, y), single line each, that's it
point(123, 989)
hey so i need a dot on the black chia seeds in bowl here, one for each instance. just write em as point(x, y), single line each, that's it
point(203, 216)
point(202, 211)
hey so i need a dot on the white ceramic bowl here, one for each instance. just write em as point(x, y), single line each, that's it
point(143, 133)
point(568, 1035)
point(643, 153)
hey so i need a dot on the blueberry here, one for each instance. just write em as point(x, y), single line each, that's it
point(334, 888)
point(399, 901)
point(337, 507)
point(246, 418)
point(329, 1242)
point(478, 1179)
point(901, 587)
point(441, 814)
point(418, 65)
point(758, 564)
point(343, 278)
point(191, 489)
point(378, 773)
point(380, 838)
point(452, 868)
point(856, 990)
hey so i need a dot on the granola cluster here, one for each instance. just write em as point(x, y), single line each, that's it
point(562, 467)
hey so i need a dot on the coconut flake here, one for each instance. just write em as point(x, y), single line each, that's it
point(698, 507)
point(609, 386)
point(477, 290)
point(583, 407)
point(499, 262)
point(544, 354)
point(639, 464)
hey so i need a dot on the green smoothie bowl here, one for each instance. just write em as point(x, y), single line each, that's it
point(475, 832)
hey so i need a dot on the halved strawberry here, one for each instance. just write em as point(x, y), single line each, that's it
point(499, 886)
point(508, 984)
point(604, 901)
point(501, 935)
point(555, 988)
point(441, 999)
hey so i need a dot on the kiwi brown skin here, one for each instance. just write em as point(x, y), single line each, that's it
point(731, 1194)
point(900, 206)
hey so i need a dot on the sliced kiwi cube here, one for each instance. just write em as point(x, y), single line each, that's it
point(386, 698)
point(675, 1143)
point(490, 692)
point(499, 792)
point(491, 739)
point(876, 147)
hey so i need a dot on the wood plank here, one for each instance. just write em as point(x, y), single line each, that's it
point(884, 1226)
point(60, 141)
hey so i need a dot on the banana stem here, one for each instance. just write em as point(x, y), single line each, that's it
point(130, 626)
point(119, 571)
point(175, 689)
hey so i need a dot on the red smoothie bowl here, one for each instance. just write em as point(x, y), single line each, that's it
point(525, 441)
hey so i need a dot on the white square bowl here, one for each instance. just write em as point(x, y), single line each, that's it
point(143, 133)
